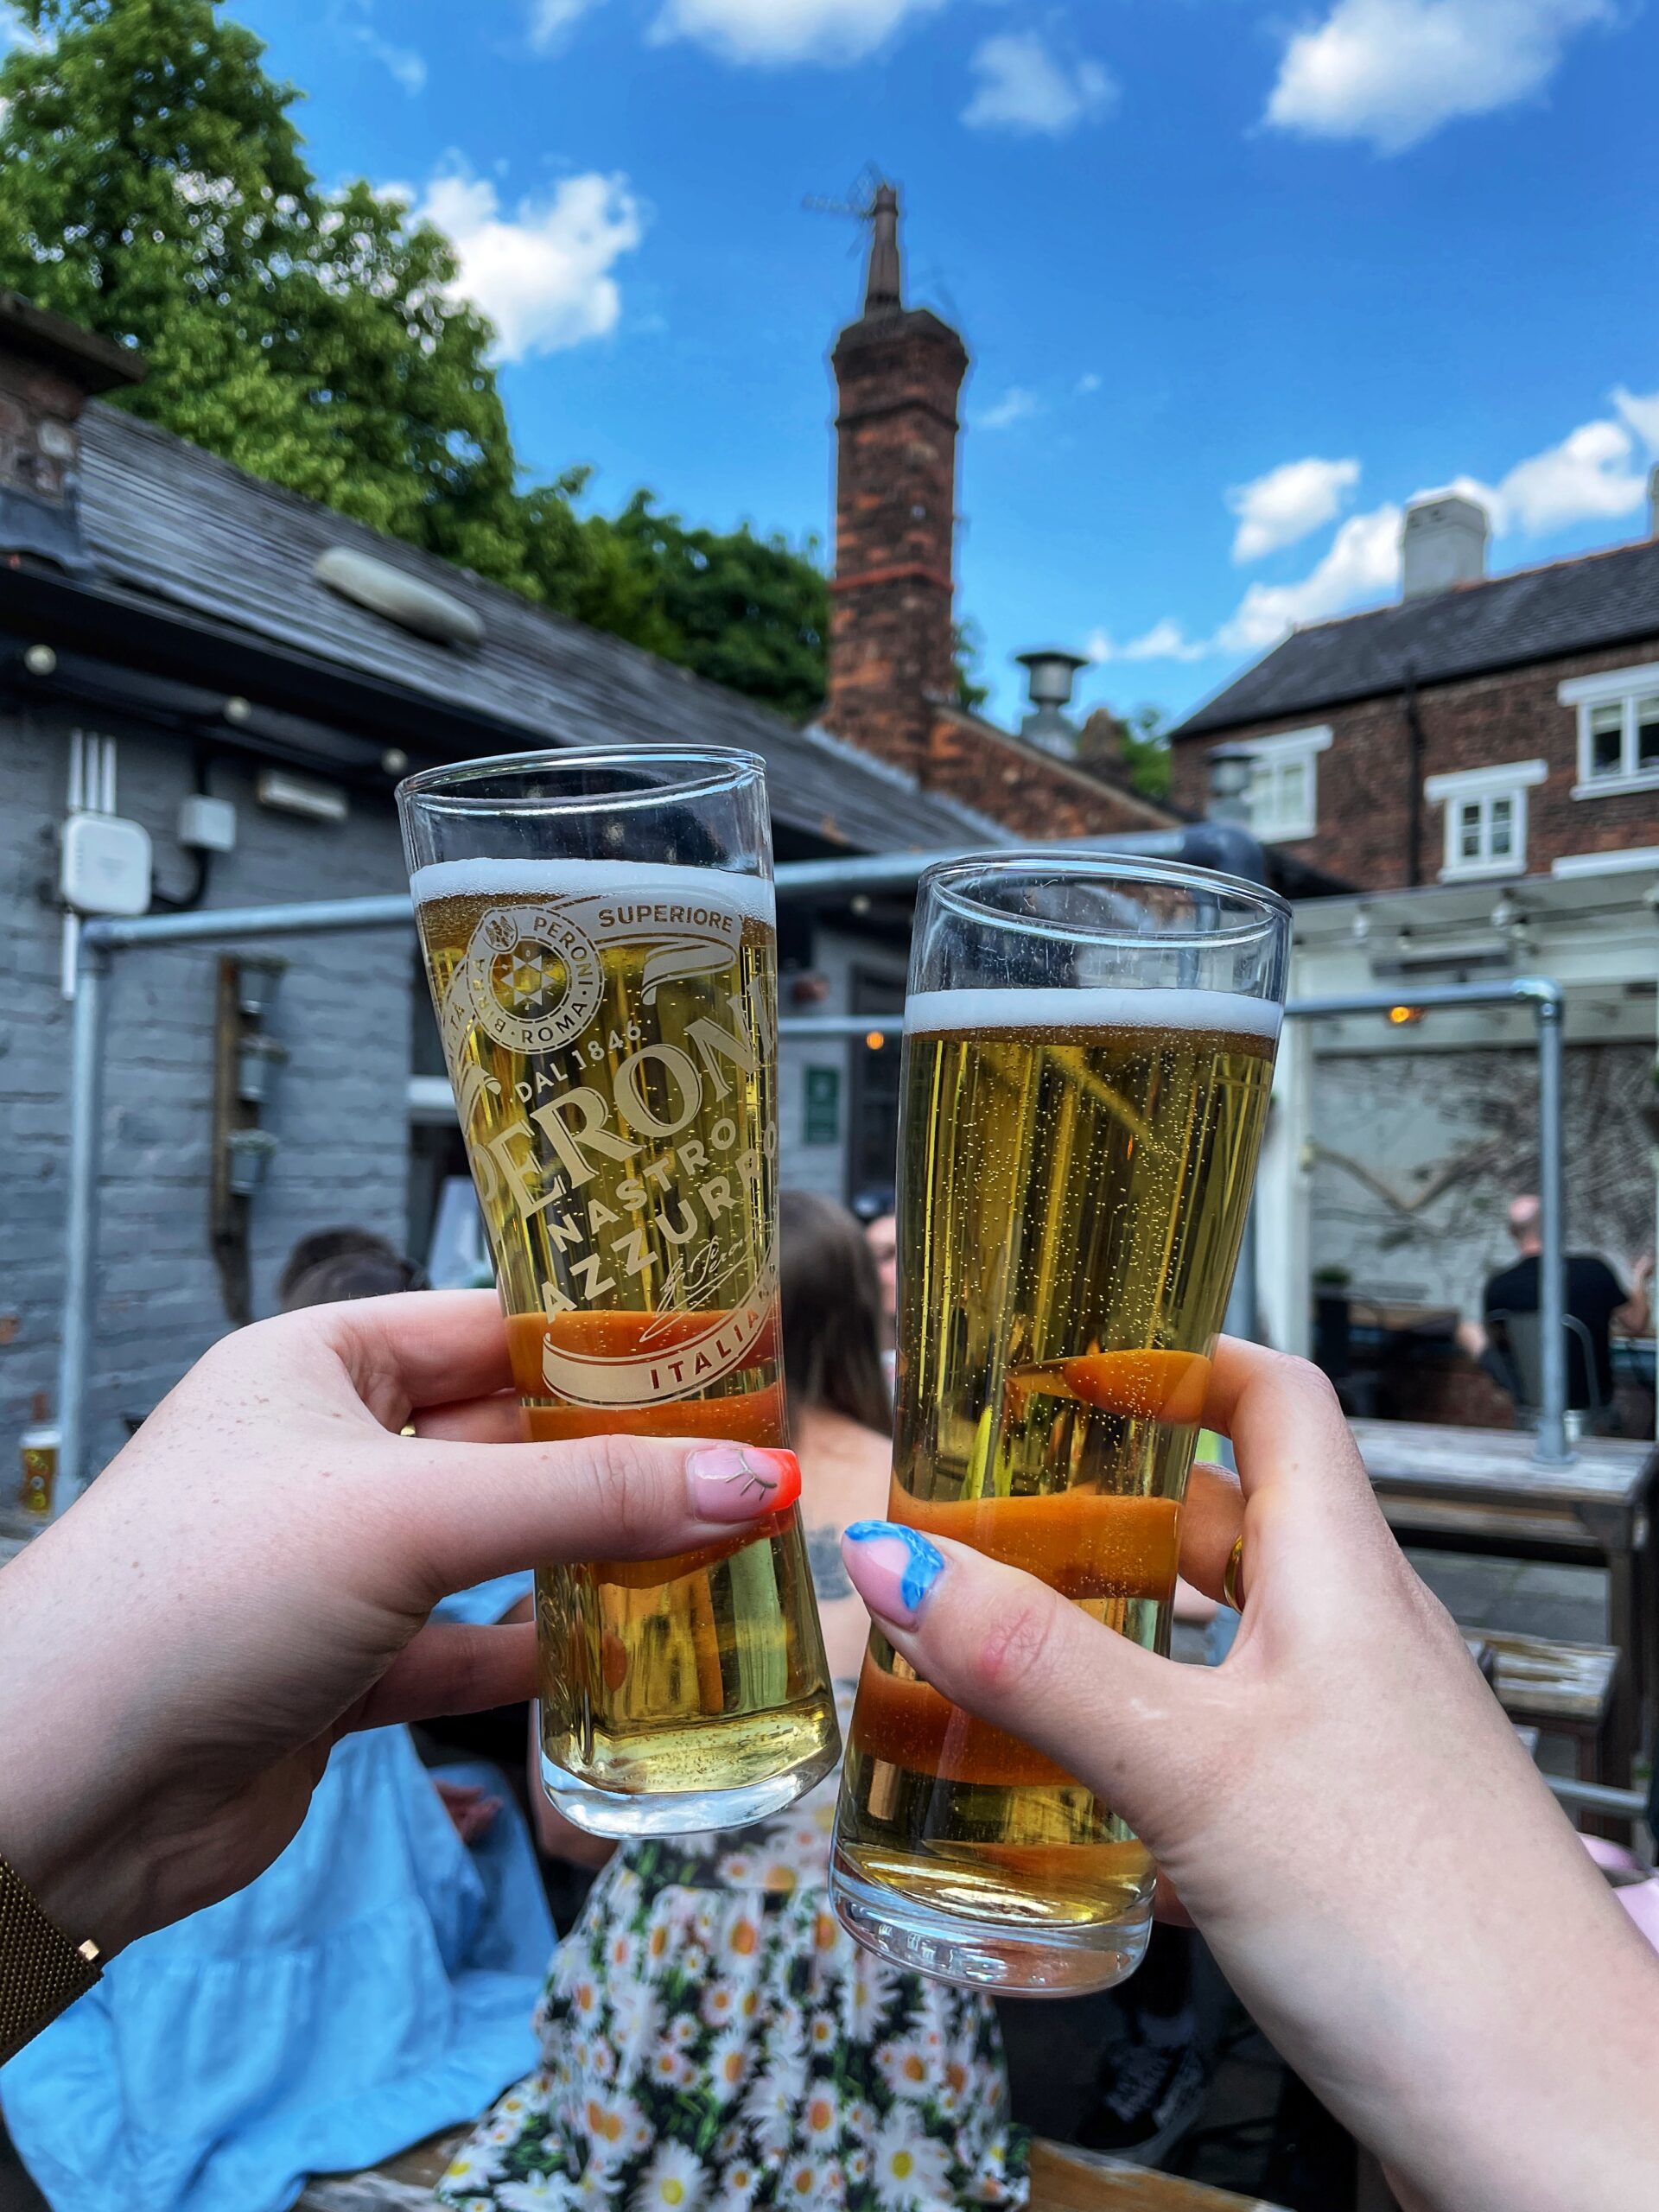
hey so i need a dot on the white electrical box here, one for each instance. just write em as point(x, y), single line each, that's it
point(207, 825)
point(105, 865)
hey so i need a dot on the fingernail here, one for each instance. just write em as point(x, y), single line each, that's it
point(895, 1568)
point(739, 1481)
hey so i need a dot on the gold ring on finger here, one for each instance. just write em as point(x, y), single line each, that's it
point(1229, 1593)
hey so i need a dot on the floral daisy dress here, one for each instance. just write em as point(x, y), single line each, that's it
point(712, 2037)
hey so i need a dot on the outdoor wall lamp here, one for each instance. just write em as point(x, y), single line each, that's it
point(1230, 768)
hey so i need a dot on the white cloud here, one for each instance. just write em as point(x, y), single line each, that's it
point(543, 273)
point(1285, 504)
point(1016, 405)
point(1642, 415)
point(1165, 640)
point(1588, 476)
point(1395, 71)
point(774, 33)
point(1086, 383)
point(1363, 563)
point(1023, 87)
point(353, 22)
point(1595, 473)
point(407, 65)
point(550, 20)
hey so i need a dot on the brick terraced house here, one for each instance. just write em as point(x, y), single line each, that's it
point(1479, 763)
point(1484, 727)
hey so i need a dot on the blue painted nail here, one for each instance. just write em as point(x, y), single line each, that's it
point(894, 1567)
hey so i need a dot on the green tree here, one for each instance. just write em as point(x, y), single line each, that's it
point(1146, 751)
point(748, 611)
point(1135, 747)
point(152, 187)
point(968, 642)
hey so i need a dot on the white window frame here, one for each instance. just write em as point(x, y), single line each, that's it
point(1510, 779)
point(1278, 751)
point(1620, 687)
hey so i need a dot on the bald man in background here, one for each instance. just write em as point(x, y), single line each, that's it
point(1595, 1297)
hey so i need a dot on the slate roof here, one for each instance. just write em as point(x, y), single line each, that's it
point(1568, 606)
point(163, 519)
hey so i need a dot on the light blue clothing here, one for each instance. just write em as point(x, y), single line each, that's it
point(486, 1601)
point(374, 1985)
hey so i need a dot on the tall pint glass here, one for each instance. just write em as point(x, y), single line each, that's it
point(1089, 1048)
point(600, 940)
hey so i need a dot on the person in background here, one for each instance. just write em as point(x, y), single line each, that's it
point(881, 1231)
point(370, 1987)
point(711, 2036)
point(1595, 1298)
point(374, 1268)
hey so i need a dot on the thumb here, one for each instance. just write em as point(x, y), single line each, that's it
point(458, 1514)
point(1124, 1722)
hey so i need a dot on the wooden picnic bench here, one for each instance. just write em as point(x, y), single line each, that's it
point(1558, 1688)
point(1062, 2180)
point(1479, 1489)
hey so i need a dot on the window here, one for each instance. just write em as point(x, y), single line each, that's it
point(1618, 730)
point(1283, 788)
point(1485, 817)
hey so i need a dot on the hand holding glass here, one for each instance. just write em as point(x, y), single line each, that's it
point(1089, 1050)
point(600, 941)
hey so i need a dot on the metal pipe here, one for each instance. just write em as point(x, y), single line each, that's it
point(80, 1232)
point(1598, 1796)
point(1542, 995)
point(1205, 844)
point(840, 1025)
point(1220, 845)
point(1552, 1449)
point(219, 922)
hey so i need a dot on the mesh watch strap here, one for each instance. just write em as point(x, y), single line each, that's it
point(42, 1972)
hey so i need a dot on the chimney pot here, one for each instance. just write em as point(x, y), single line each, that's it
point(1442, 543)
point(1653, 501)
point(49, 368)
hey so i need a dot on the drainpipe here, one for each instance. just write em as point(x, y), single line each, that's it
point(1414, 746)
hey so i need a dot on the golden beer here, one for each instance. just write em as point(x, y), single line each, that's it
point(1074, 1181)
point(609, 1030)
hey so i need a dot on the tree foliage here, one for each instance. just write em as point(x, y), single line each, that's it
point(1135, 746)
point(153, 188)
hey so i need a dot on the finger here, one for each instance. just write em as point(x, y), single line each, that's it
point(1123, 1721)
point(420, 1348)
point(456, 1514)
point(1211, 1517)
point(1287, 1430)
point(495, 1420)
point(448, 1668)
point(1166, 1904)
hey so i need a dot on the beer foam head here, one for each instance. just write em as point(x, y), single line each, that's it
point(645, 880)
point(1228, 1013)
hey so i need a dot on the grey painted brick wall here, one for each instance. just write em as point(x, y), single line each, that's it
point(339, 1108)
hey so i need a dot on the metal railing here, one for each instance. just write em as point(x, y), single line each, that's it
point(1209, 844)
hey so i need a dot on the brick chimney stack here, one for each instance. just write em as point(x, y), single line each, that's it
point(49, 368)
point(898, 371)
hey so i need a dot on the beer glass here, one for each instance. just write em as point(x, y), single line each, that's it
point(1089, 1048)
point(600, 940)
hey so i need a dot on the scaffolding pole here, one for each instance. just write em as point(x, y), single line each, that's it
point(1215, 845)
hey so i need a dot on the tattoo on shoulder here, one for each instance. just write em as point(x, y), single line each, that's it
point(824, 1557)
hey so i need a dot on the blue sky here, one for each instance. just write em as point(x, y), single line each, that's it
point(1238, 279)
